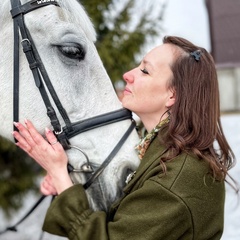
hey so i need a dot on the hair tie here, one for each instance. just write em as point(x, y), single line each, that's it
point(196, 54)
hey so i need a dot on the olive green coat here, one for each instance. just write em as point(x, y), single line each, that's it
point(185, 204)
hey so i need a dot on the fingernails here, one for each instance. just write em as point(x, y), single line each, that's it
point(47, 130)
point(25, 121)
point(16, 124)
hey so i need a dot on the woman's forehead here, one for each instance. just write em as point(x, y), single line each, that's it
point(162, 54)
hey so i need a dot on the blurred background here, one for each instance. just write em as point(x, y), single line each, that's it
point(127, 29)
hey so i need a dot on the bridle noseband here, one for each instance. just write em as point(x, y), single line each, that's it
point(41, 79)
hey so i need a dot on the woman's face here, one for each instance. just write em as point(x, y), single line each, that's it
point(146, 92)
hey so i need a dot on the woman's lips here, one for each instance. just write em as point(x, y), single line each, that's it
point(127, 91)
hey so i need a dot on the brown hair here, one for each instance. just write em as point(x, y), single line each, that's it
point(195, 124)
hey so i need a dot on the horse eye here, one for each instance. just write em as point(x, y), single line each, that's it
point(72, 51)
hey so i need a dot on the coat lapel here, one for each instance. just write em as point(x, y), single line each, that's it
point(150, 160)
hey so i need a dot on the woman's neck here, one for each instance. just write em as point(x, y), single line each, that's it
point(151, 122)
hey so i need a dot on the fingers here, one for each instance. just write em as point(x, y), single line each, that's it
point(32, 135)
point(30, 140)
point(29, 137)
point(52, 138)
point(47, 187)
point(52, 158)
point(21, 142)
point(27, 134)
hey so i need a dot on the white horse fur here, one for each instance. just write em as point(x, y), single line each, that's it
point(83, 87)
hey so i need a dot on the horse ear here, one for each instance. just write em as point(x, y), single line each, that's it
point(171, 98)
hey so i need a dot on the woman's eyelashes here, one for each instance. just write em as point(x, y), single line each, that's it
point(144, 71)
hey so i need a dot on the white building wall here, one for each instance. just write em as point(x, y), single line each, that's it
point(229, 87)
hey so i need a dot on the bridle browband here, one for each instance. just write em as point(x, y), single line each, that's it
point(42, 82)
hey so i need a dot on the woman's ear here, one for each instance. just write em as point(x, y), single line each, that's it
point(171, 98)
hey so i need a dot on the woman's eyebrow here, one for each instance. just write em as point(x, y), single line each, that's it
point(146, 62)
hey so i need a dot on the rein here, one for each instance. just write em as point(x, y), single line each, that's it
point(42, 82)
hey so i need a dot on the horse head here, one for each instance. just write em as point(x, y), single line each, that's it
point(64, 37)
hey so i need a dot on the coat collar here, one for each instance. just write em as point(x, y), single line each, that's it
point(150, 160)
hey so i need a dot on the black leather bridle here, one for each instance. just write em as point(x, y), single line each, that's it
point(42, 82)
point(41, 79)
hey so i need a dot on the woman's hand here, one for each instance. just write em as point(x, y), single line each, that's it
point(48, 154)
point(47, 187)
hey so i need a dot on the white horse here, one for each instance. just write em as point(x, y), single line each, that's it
point(64, 38)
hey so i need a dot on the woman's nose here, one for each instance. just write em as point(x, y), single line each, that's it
point(128, 76)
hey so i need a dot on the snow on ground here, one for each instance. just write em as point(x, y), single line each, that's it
point(231, 126)
point(30, 229)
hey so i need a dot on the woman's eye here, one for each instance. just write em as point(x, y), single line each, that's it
point(144, 71)
point(73, 51)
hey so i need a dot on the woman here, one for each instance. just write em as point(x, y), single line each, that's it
point(178, 190)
